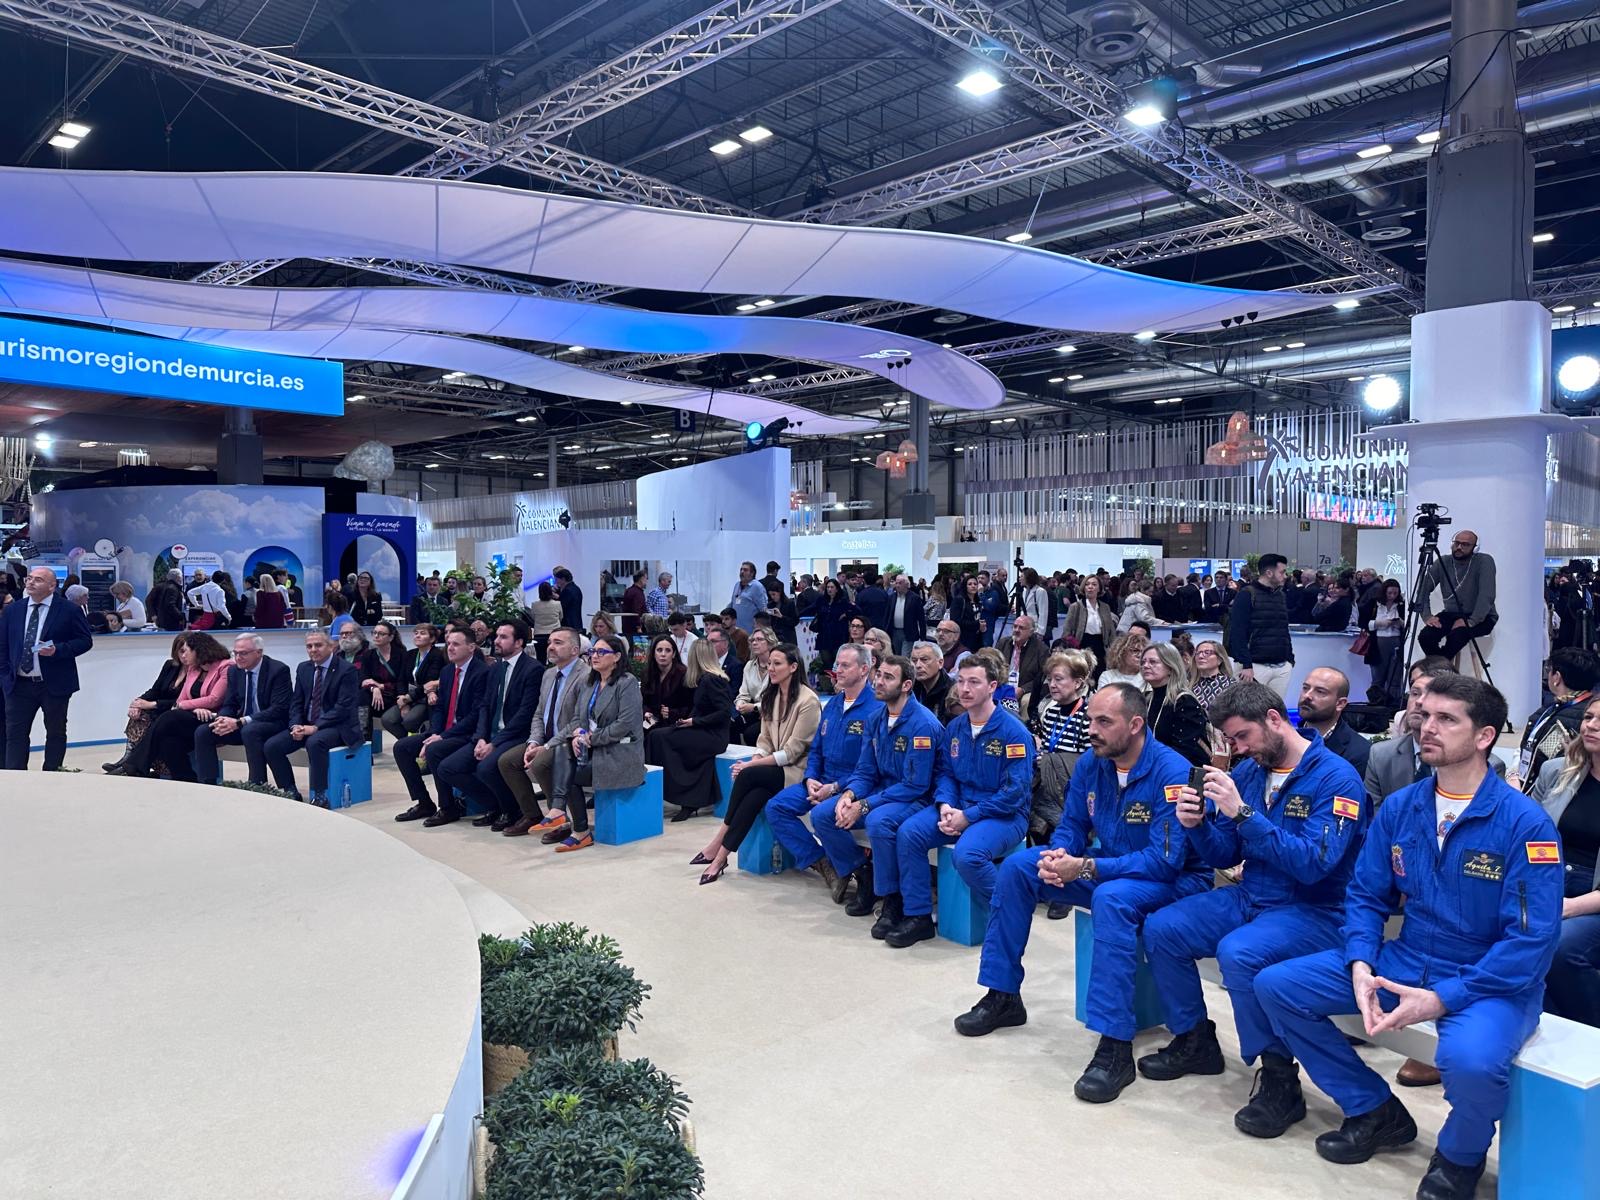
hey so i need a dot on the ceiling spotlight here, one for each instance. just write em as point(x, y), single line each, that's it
point(1144, 115)
point(603, 467)
point(527, 420)
point(1066, 349)
point(1354, 378)
point(680, 458)
point(1428, 138)
point(1271, 349)
point(1022, 235)
point(573, 447)
point(1151, 103)
point(1073, 378)
point(62, 142)
point(765, 302)
point(576, 349)
point(1145, 335)
point(87, 445)
point(768, 378)
point(1171, 400)
point(756, 133)
point(1347, 304)
point(725, 146)
point(357, 398)
point(74, 129)
point(744, 308)
point(1382, 393)
point(1058, 379)
point(1564, 308)
point(430, 466)
point(494, 457)
point(1294, 346)
point(1540, 239)
point(656, 437)
point(1578, 374)
point(1375, 151)
point(979, 83)
point(43, 441)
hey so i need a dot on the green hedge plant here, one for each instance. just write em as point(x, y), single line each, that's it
point(599, 1082)
point(571, 1149)
point(576, 998)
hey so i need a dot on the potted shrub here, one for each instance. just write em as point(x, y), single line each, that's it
point(599, 1081)
point(571, 1148)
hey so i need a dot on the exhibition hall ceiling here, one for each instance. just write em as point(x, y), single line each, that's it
point(999, 120)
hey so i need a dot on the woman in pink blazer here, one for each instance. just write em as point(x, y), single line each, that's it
point(200, 690)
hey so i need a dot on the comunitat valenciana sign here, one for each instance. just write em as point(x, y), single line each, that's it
point(98, 360)
point(546, 517)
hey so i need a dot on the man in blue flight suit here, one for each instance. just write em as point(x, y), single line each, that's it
point(834, 753)
point(1479, 867)
point(892, 780)
point(1292, 812)
point(1122, 797)
point(982, 791)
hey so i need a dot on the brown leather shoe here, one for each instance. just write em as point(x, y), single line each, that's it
point(518, 828)
point(1416, 1074)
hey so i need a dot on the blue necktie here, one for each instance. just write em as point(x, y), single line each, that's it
point(35, 612)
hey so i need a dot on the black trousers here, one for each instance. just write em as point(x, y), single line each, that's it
point(405, 757)
point(752, 788)
point(27, 699)
point(1450, 642)
point(253, 737)
point(171, 741)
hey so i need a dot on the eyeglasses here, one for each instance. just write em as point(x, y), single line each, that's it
point(1460, 542)
point(599, 652)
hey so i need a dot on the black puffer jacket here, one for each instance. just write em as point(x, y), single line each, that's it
point(1258, 627)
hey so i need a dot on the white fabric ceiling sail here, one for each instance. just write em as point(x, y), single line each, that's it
point(167, 217)
point(945, 377)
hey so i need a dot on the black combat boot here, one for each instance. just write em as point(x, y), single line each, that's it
point(1192, 1053)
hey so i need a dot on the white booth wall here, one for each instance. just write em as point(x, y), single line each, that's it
point(745, 491)
point(1047, 557)
point(912, 548)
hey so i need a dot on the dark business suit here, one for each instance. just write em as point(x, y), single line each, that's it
point(873, 602)
point(267, 716)
point(478, 778)
point(338, 723)
point(571, 597)
point(452, 734)
point(65, 624)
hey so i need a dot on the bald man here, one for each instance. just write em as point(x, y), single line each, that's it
point(41, 637)
point(948, 635)
point(1324, 695)
point(1466, 585)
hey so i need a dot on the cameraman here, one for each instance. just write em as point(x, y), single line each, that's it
point(1466, 580)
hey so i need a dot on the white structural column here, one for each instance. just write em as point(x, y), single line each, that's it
point(1480, 376)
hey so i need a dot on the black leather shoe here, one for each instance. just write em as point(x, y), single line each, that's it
point(115, 768)
point(683, 814)
point(865, 900)
point(1059, 910)
point(909, 932)
point(319, 800)
point(1109, 1071)
point(1387, 1127)
point(502, 822)
point(1446, 1180)
point(890, 915)
point(416, 812)
point(483, 822)
point(1276, 1101)
point(1192, 1053)
point(444, 816)
point(996, 1010)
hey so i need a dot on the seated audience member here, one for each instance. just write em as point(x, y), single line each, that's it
point(790, 714)
point(602, 625)
point(857, 629)
point(409, 712)
point(746, 720)
point(1139, 862)
point(554, 720)
point(892, 779)
point(419, 611)
point(1324, 695)
point(690, 745)
point(1213, 673)
point(932, 688)
point(1062, 733)
point(667, 698)
point(1570, 676)
point(254, 707)
point(1024, 653)
point(877, 641)
point(738, 636)
point(1454, 848)
point(324, 712)
point(948, 635)
point(482, 636)
point(1293, 814)
point(473, 770)
point(606, 752)
point(983, 788)
point(366, 602)
point(199, 691)
point(680, 628)
point(835, 752)
point(128, 606)
point(272, 605)
point(451, 726)
point(1174, 715)
point(144, 708)
point(384, 670)
point(722, 650)
point(1122, 661)
point(1569, 789)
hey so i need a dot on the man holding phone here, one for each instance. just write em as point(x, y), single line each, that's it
point(1293, 812)
point(1123, 796)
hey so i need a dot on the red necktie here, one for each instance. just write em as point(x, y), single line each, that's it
point(455, 690)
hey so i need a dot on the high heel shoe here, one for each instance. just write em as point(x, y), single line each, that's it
point(699, 860)
point(713, 875)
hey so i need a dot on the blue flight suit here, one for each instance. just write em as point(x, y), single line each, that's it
point(894, 777)
point(1482, 919)
point(1143, 860)
point(989, 777)
point(834, 753)
point(1298, 856)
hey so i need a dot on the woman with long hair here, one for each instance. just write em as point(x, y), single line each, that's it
point(1569, 789)
point(790, 713)
point(830, 620)
point(1213, 673)
point(938, 603)
point(335, 613)
point(201, 686)
point(666, 694)
point(1175, 716)
point(746, 722)
point(1122, 661)
point(966, 610)
point(546, 614)
point(272, 603)
point(384, 668)
point(606, 751)
point(690, 745)
point(602, 625)
point(1384, 617)
point(1036, 601)
point(366, 606)
point(144, 708)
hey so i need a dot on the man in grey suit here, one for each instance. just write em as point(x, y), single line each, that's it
point(554, 719)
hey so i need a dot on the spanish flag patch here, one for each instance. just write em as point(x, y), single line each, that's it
point(922, 743)
point(1543, 852)
point(1016, 750)
point(1172, 792)
point(1343, 806)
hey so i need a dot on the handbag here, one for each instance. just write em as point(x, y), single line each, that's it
point(1363, 644)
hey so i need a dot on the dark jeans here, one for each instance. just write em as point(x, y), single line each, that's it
point(569, 795)
point(1449, 642)
point(752, 788)
point(406, 751)
point(1572, 988)
point(27, 699)
point(253, 737)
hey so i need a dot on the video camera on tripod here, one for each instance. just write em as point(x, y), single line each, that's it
point(1430, 520)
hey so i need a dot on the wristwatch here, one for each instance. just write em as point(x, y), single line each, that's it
point(1245, 813)
point(1089, 871)
point(865, 807)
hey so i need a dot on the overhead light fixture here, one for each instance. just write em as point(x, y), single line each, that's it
point(43, 441)
point(680, 458)
point(1144, 115)
point(1271, 349)
point(576, 349)
point(1382, 393)
point(755, 134)
point(657, 437)
point(1058, 379)
point(979, 83)
point(1073, 378)
point(1151, 103)
point(1066, 349)
point(572, 447)
point(357, 398)
point(452, 376)
point(87, 445)
point(744, 308)
point(1564, 308)
point(1540, 239)
point(949, 346)
point(1294, 346)
point(768, 378)
point(527, 420)
point(75, 129)
point(1428, 138)
point(1354, 378)
point(725, 146)
point(1375, 151)
point(602, 467)
point(1145, 335)
point(538, 474)
point(1347, 303)
point(430, 466)
point(1578, 374)
point(765, 302)
point(1171, 400)
point(62, 142)
point(495, 457)
point(1022, 235)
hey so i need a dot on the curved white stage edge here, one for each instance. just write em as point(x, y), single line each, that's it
point(213, 993)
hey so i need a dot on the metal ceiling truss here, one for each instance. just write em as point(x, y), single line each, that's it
point(1201, 173)
point(1212, 235)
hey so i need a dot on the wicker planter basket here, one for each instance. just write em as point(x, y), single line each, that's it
point(502, 1064)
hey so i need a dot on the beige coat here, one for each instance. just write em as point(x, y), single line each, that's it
point(792, 733)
